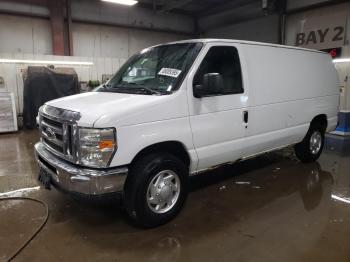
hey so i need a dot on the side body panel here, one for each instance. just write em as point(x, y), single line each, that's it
point(288, 88)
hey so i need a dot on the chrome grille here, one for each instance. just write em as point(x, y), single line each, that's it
point(58, 129)
point(52, 133)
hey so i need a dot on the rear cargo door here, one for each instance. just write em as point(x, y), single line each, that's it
point(219, 120)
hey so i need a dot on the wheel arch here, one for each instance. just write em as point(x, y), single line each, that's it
point(176, 148)
point(320, 120)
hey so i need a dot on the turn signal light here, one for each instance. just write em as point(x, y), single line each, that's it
point(106, 144)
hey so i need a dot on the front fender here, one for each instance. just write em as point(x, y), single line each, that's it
point(132, 139)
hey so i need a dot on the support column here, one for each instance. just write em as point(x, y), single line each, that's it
point(281, 9)
point(57, 26)
point(69, 26)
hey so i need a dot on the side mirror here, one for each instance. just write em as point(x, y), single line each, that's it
point(212, 84)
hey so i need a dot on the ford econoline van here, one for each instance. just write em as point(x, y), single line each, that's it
point(177, 109)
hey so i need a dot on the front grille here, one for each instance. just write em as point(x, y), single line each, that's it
point(58, 129)
point(52, 133)
point(53, 145)
point(54, 123)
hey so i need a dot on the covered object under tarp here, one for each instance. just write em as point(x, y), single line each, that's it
point(43, 84)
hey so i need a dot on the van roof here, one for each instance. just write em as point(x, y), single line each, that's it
point(210, 40)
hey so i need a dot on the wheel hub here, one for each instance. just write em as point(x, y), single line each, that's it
point(315, 142)
point(163, 191)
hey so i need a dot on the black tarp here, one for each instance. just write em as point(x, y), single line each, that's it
point(43, 84)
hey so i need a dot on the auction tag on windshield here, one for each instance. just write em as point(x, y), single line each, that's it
point(169, 72)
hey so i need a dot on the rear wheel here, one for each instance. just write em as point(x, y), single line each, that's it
point(156, 189)
point(310, 149)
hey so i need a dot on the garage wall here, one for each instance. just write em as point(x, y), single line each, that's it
point(322, 28)
point(263, 30)
point(109, 41)
point(25, 35)
point(13, 73)
point(106, 46)
point(33, 36)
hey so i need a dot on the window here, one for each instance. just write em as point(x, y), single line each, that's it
point(225, 61)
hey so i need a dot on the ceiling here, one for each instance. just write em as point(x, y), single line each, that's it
point(196, 8)
point(207, 14)
point(211, 14)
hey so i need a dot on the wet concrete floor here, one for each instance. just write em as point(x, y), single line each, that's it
point(271, 208)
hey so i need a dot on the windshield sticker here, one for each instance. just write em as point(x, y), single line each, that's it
point(169, 72)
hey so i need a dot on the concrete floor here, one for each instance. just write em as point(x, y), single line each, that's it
point(271, 208)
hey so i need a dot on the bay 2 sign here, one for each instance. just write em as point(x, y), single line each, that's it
point(321, 32)
point(326, 37)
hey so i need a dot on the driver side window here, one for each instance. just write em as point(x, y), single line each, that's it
point(223, 60)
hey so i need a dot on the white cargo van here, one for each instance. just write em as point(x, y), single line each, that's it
point(177, 109)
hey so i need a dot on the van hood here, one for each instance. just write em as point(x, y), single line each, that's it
point(110, 109)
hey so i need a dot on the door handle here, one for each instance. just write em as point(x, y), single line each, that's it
point(245, 117)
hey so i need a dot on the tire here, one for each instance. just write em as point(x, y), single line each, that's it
point(153, 174)
point(310, 149)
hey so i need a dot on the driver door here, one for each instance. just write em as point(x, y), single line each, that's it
point(219, 120)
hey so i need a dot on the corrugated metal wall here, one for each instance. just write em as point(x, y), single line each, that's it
point(107, 47)
point(262, 29)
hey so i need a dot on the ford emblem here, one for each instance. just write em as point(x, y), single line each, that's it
point(50, 133)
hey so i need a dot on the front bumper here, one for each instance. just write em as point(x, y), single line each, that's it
point(75, 179)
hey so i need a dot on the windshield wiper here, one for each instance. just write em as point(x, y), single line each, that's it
point(140, 86)
point(137, 87)
point(105, 87)
point(148, 90)
point(133, 87)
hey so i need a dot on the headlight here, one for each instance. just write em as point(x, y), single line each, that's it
point(96, 146)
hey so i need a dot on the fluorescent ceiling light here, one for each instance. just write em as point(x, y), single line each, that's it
point(341, 60)
point(122, 2)
point(46, 62)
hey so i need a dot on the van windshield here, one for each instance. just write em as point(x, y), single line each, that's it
point(154, 71)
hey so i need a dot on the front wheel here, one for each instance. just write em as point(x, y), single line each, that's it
point(156, 189)
point(310, 149)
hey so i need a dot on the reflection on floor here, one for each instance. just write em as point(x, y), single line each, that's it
point(271, 208)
